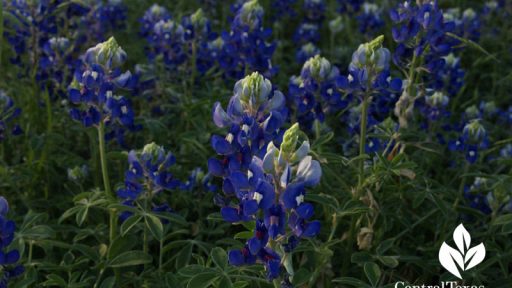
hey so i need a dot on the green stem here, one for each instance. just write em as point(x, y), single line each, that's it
point(161, 255)
point(103, 159)
point(362, 143)
point(108, 191)
point(30, 250)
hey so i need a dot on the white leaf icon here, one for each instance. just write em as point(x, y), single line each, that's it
point(475, 255)
point(462, 238)
point(448, 257)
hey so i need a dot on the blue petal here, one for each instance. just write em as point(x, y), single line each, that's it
point(236, 257)
point(254, 245)
point(215, 167)
point(311, 229)
point(221, 145)
point(305, 210)
point(230, 214)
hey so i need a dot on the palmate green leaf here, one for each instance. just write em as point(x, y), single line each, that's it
point(203, 280)
point(130, 258)
point(155, 226)
point(38, 232)
point(192, 270)
point(225, 282)
point(219, 257)
point(129, 223)
point(183, 257)
point(372, 272)
point(68, 213)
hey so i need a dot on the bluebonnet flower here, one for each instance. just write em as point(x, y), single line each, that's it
point(467, 23)
point(369, 79)
point(314, 93)
point(35, 23)
point(473, 138)
point(198, 35)
point(276, 186)
point(422, 35)
point(153, 15)
point(306, 52)
point(179, 43)
point(78, 173)
point(307, 33)
point(435, 106)
point(8, 112)
point(95, 84)
point(314, 10)
point(246, 47)
point(487, 197)
point(420, 30)
point(370, 19)
point(147, 176)
point(8, 258)
point(56, 66)
point(105, 17)
point(254, 117)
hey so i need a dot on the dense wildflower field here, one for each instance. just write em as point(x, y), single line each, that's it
point(258, 143)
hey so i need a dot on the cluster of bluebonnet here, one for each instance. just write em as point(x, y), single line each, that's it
point(265, 174)
point(8, 113)
point(307, 35)
point(486, 196)
point(178, 42)
point(95, 86)
point(147, 176)
point(8, 257)
point(420, 31)
point(315, 92)
point(35, 28)
point(370, 19)
point(243, 48)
